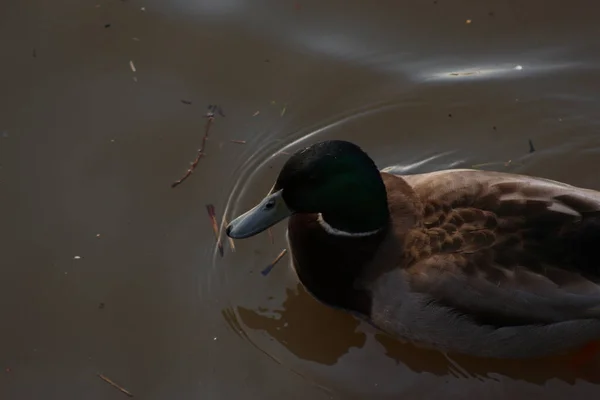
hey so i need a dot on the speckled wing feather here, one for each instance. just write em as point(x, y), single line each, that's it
point(505, 249)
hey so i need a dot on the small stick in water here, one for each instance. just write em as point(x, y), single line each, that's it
point(270, 232)
point(269, 267)
point(113, 384)
point(504, 163)
point(210, 116)
point(213, 220)
point(238, 141)
point(231, 243)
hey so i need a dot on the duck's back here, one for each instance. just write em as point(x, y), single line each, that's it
point(524, 221)
point(492, 255)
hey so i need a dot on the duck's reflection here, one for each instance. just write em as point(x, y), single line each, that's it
point(536, 371)
point(308, 329)
point(318, 333)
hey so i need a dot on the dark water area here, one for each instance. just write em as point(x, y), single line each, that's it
point(108, 270)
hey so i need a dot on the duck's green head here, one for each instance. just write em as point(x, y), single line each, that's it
point(333, 178)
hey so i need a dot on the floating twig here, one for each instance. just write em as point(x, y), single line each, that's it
point(505, 163)
point(238, 141)
point(256, 113)
point(113, 384)
point(132, 66)
point(531, 148)
point(186, 102)
point(210, 116)
point(485, 164)
point(270, 233)
point(283, 110)
point(269, 267)
point(231, 243)
point(213, 220)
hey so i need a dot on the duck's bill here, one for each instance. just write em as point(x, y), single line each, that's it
point(267, 213)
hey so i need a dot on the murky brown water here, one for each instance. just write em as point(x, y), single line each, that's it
point(106, 269)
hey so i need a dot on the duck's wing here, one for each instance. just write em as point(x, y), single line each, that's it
point(506, 249)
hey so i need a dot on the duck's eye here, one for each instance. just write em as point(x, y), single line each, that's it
point(270, 204)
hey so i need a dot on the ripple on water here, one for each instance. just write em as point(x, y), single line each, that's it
point(328, 347)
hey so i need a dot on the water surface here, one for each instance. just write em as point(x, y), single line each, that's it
point(107, 269)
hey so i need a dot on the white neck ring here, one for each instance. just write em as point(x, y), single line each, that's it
point(336, 232)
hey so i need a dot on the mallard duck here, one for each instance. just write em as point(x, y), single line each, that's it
point(484, 263)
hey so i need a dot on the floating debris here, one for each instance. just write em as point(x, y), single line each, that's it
point(256, 113)
point(213, 220)
point(135, 79)
point(283, 110)
point(519, 67)
point(143, 8)
point(468, 21)
point(107, 25)
point(231, 243)
point(186, 102)
point(77, 258)
point(113, 384)
point(132, 66)
point(531, 148)
point(269, 267)
point(210, 116)
point(504, 163)
point(270, 233)
point(97, 235)
point(135, 39)
point(237, 141)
